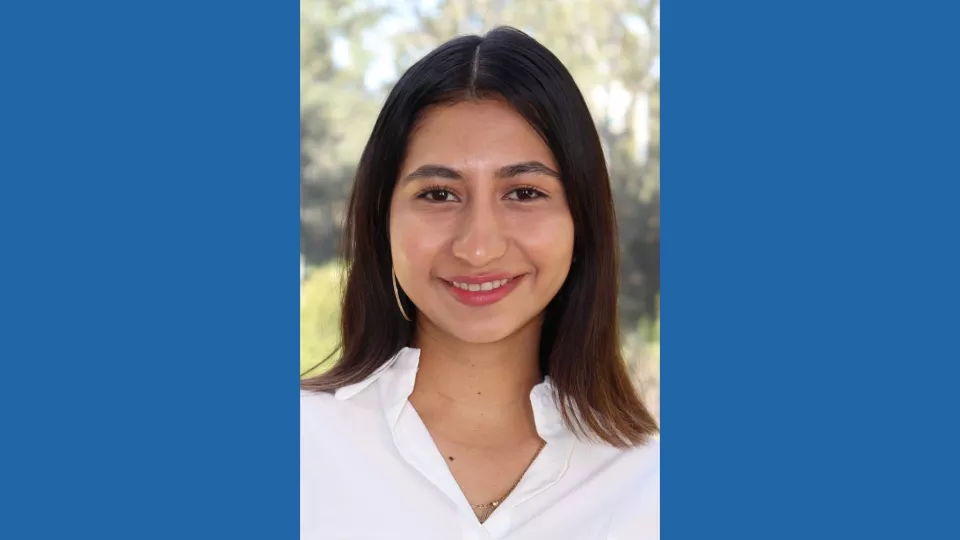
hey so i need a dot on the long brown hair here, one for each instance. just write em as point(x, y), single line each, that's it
point(580, 342)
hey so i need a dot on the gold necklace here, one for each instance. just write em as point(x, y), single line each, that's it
point(483, 511)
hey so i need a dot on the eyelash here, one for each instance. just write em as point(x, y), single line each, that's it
point(537, 194)
point(434, 189)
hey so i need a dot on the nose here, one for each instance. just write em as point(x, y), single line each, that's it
point(480, 237)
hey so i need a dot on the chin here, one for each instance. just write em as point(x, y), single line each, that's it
point(482, 334)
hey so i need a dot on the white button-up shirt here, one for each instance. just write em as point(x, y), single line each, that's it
point(369, 470)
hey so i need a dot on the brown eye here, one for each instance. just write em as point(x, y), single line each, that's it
point(438, 195)
point(525, 194)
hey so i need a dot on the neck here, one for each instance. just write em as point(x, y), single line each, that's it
point(481, 384)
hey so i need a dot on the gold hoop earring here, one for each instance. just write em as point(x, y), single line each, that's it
point(396, 293)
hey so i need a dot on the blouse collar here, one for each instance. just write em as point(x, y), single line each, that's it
point(398, 375)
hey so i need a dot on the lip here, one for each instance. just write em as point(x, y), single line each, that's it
point(482, 298)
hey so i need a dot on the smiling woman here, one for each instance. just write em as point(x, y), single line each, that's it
point(480, 391)
point(481, 202)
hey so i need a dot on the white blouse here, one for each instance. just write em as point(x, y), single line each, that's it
point(370, 471)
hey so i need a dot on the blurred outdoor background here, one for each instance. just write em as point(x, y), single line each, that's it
point(351, 53)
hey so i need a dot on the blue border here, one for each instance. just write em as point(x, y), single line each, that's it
point(809, 255)
point(149, 190)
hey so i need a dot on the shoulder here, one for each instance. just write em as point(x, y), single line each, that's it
point(642, 460)
point(638, 515)
point(647, 453)
point(629, 474)
point(641, 464)
point(314, 403)
point(323, 415)
point(315, 407)
point(318, 408)
point(311, 400)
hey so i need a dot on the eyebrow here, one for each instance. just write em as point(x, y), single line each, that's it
point(507, 171)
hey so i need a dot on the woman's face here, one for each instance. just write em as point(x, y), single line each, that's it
point(480, 230)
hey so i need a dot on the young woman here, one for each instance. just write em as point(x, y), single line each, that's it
point(481, 392)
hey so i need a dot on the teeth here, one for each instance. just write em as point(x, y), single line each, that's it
point(475, 287)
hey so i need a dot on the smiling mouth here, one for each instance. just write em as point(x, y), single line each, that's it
point(482, 293)
point(485, 286)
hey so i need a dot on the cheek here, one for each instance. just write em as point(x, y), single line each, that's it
point(548, 241)
point(414, 241)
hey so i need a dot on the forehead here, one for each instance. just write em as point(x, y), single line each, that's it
point(474, 134)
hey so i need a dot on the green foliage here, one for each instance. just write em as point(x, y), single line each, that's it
point(336, 114)
point(319, 318)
